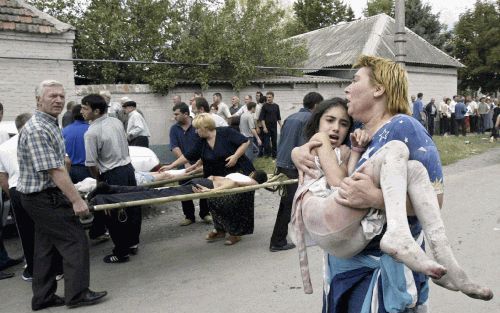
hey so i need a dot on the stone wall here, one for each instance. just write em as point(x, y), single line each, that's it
point(20, 77)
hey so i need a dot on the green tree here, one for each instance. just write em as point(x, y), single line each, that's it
point(314, 14)
point(374, 7)
point(477, 45)
point(231, 37)
point(418, 17)
point(234, 38)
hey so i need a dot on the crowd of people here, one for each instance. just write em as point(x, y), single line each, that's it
point(347, 200)
point(459, 115)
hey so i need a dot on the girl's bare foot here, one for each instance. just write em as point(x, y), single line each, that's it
point(407, 251)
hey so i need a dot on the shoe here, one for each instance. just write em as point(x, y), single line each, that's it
point(231, 240)
point(288, 246)
point(88, 297)
point(186, 222)
point(115, 259)
point(215, 235)
point(53, 302)
point(27, 276)
point(59, 277)
point(207, 219)
point(4, 275)
point(133, 250)
point(11, 262)
point(101, 238)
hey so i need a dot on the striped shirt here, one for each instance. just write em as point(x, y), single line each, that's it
point(40, 148)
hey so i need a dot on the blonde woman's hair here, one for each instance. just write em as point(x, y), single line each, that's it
point(390, 75)
point(204, 120)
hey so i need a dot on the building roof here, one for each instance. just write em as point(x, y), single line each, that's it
point(17, 15)
point(276, 80)
point(340, 45)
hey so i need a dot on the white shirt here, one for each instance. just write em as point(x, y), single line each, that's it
point(452, 106)
point(4, 136)
point(137, 126)
point(223, 111)
point(219, 121)
point(8, 160)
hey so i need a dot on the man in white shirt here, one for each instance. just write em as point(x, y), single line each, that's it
point(201, 106)
point(137, 129)
point(453, 127)
point(4, 136)
point(222, 108)
point(9, 173)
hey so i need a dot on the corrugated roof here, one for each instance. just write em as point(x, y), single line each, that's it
point(306, 79)
point(340, 45)
point(17, 15)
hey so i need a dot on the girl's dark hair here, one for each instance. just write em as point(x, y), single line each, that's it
point(312, 125)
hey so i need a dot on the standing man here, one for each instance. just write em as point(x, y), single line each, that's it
point(74, 141)
point(53, 203)
point(9, 173)
point(482, 110)
point(222, 108)
point(270, 118)
point(453, 124)
point(418, 109)
point(108, 158)
point(183, 136)
point(137, 129)
point(291, 136)
point(201, 106)
point(248, 129)
point(68, 116)
point(431, 112)
point(235, 105)
point(176, 100)
point(73, 135)
point(460, 111)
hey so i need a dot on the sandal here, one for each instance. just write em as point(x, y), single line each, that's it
point(231, 240)
point(215, 235)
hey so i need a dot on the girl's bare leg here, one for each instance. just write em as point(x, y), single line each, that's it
point(389, 164)
point(425, 204)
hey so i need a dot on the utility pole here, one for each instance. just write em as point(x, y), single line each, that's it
point(400, 33)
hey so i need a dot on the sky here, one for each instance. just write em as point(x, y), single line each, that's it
point(449, 9)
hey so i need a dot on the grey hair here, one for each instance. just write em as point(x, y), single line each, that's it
point(21, 119)
point(46, 83)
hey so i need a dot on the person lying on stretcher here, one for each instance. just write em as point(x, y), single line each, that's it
point(106, 194)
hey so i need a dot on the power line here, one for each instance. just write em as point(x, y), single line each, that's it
point(157, 62)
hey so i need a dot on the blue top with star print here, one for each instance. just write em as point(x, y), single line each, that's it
point(408, 130)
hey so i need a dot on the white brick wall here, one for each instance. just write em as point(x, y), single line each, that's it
point(20, 77)
point(432, 82)
point(157, 109)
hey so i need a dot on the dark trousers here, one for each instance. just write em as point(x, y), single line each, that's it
point(278, 238)
point(57, 229)
point(430, 124)
point(78, 173)
point(141, 141)
point(124, 225)
point(460, 124)
point(482, 123)
point(188, 206)
point(261, 147)
point(473, 123)
point(443, 125)
point(453, 126)
point(270, 142)
point(25, 227)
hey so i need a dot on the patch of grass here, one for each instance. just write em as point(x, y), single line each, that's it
point(265, 164)
point(451, 149)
